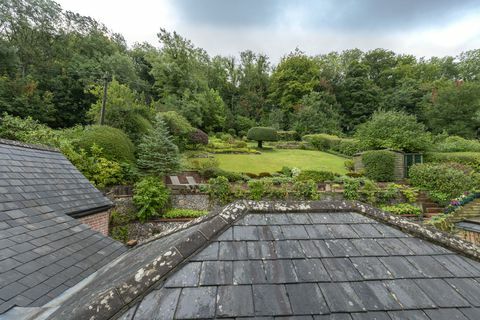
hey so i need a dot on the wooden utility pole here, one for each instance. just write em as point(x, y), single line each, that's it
point(104, 100)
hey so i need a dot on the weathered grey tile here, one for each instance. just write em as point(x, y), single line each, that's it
point(400, 267)
point(236, 250)
point(306, 298)
point(342, 248)
point(245, 233)
point(409, 295)
point(371, 268)
point(457, 265)
point(441, 293)
point(368, 247)
point(235, 301)
point(216, 273)
point(187, 276)
point(341, 297)
point(334, 316)
point(319, 231)
point(158, 305)
point(468, 288)
point(429, 267)
point(299, 218)
point(294, 232)
point(288, 249)
point(261, 250)
point(248, 272)
point(342, 231)
point(446, 314)
point(341, 269)
point(196, 303)
point(265, 305)
point(408, 314)
point(389, 232)
point(471, 313)
point(280, 271)
point(310, 270)
point(209, 253)
point(375, 296)
point(366, 230)
point(376, 315)
point(422, 247)
point(394, 247)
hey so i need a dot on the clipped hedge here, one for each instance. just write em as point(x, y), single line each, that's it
point(261, 134)
point(349, 147)
point(115, 144)
point(443, 181)
point(322, 141)
point(316, 176)
point(471, 159)
point(379, 165)
point(291, 135)
point(457, 144)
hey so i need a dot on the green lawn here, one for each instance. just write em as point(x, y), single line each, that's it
point(274, 160)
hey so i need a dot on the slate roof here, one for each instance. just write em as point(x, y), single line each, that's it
point(43, 250)
point(334, 265)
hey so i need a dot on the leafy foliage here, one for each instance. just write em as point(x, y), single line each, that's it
point(184, 213)
point(261, 134)
point(151, 196)
point(403, 209)
point(198, 137)
point(219, 189)
point(316, 176)
point(157, 154)
point(114, 143)
point(322, 141)
point(393, 130)
point(379, 165)
point(457, 144)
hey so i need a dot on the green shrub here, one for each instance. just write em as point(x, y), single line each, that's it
point(157, 154)
point(457, 144)
point(116, 145)
point(369, 191)
point(322, 141)
point(443, 181)
point(28, 130)
point(306, 190)
point(179, 127)
point(288, 135)
point(393, 130)
point(184, 213)
point(151, 197)
point(316, 176)
point(120, 233)
point(349, 165)
point(379, 165)
point(261, 134)
point(351, 187)
point(259, 189)
point(349, 147)
point(403, 209)
point(471, 159)
point(198, 137)
point(219, 189)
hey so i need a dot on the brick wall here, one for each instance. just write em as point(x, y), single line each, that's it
point(98, 221)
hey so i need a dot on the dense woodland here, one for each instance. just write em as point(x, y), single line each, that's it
point(53, 63)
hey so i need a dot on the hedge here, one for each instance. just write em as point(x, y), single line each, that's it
point(457, 144)
point(349, 147)
point(316, 176)
point(444, 181)
point(288, 135)
point(322, 141)
point(471, 159)
point(261, 134)
point(379, 165)
point(115, 144)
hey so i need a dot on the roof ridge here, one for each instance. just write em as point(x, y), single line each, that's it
point(123, 282)
point(20, 144)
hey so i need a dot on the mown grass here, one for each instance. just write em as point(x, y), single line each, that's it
point(273, 160)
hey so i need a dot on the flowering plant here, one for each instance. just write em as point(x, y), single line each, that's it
point(458, 202)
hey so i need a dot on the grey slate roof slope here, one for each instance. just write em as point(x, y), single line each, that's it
point(317, 266)
point(44, 251)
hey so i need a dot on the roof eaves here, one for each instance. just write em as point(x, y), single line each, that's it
point(28, 146)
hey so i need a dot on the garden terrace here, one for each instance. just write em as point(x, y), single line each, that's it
point(301, 259)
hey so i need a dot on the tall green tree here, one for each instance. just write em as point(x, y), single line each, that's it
point(319, 113)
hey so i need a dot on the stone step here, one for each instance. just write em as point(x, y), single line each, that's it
point(434, 210)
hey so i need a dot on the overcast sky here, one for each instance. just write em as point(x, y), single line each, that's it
point(276, 27)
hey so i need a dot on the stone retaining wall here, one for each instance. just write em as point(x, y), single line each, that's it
point(196, 201)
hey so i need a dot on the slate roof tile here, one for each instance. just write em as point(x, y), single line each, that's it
point(39, 189)
point(339, 266)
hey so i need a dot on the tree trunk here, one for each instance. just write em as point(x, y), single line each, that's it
point(260, 144)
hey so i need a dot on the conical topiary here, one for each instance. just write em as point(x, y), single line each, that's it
point(157, 154)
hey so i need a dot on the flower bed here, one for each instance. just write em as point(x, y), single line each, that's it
point(459, 202)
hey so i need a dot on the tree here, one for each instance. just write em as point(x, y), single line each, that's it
point(319, 113)
point(454, 108)
point(261, 134)
point(179, 128)
point(394, 130)
point(157, 154)
point(123, 110)
point(296, 76)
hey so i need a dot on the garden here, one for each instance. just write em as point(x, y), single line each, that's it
point(263, 164)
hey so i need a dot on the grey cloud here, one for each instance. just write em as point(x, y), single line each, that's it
point(343, 14)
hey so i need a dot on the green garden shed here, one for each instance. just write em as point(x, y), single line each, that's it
point(403, 161)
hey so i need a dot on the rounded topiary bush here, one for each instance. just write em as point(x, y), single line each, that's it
point(115, 144)
point(379, 165)
point(261, 134)
point(198, 137)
